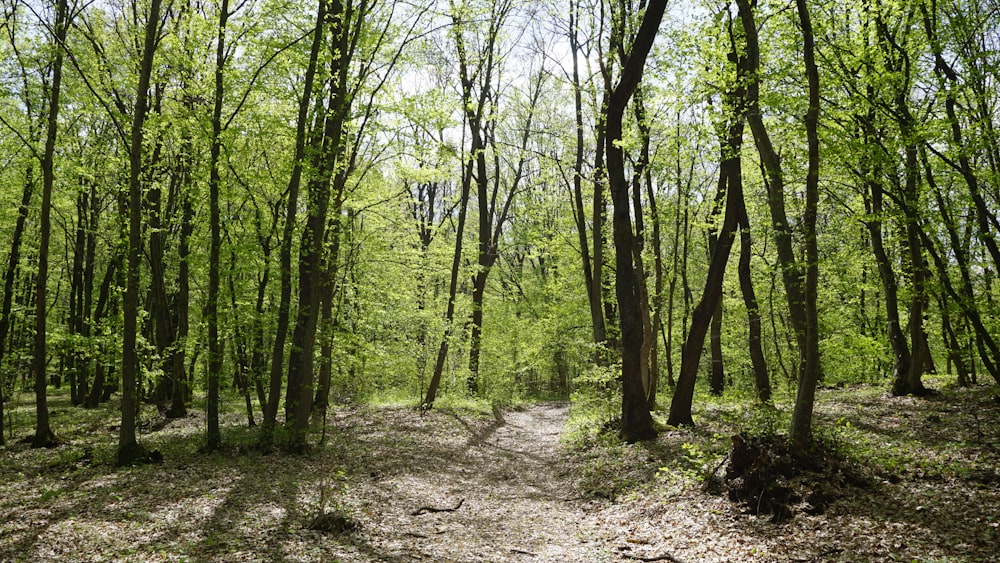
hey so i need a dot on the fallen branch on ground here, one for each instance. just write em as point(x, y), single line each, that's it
point(664, 557)
point(426, 509)
point(710, 476)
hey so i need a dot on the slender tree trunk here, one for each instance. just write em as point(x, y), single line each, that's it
point(10, 273)
point(682, 202)
point(285, 254)
point(717, 381)
point(593, 289)
point(599, 219)
point(44, 436)
point(77, 369)
point(449, 318)
point(328, 167)
point(762, 381)
point(770, 160)
point(332, 265)
point(953, 344)
point(801, 430)
point(637, 423)
point(680, 406)
point(657, 300)
point(641, 173)
point(129, 450)
point(897, 338)
point(717, 373)
point(213, 435)
point(730, 189)
point(241, 369)
point(178, 391)
point(493, 206)
point(97, 390)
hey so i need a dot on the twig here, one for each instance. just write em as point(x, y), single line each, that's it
point(522, 552)
point(664, 557)
point(426, 509)
point(710, 476)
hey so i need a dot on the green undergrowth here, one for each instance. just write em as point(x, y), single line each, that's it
point(859, 430)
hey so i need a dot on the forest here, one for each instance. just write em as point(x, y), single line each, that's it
point(358, 279)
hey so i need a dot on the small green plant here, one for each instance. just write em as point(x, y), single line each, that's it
point(330, 515)
point(596, 396)
point(610, 468)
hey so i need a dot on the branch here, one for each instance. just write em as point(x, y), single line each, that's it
point(426, 509)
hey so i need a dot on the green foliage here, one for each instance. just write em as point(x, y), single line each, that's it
point(596, 399)
point(608, 468)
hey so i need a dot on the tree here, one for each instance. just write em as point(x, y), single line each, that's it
point(44, 436)
point(801, 431)
point(213, 438)
point(592, 263)
point(730, 193)
point(637, 424)
point(479, 73)
point(129, 450)
point(285, 253)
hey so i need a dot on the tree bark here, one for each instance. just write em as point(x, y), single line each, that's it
point(285, 254)
point(590, 269)
point(637, 423)
point(801, 430)
point(213, 435)
point(790, 271)
point(762, 381)
point(730, 190)
point(129, 450)
point(13, 260)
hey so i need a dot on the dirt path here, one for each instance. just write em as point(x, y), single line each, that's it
point(517, 502)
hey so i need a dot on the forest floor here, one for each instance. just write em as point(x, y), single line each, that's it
point(903, 479)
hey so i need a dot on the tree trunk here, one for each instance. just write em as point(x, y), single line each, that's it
point(285, 254)
point(78, 376)
point(774, 181)
point(44, 436)
point(301, 359)
point(641, 174)
point(213, 435)
point(13, 260)
point(97, 390)
point(637, 423)
point(449, 318)
point(717, 379)
point(762, 381)
point(730, 190)
point(330, 321)
point(589, 270)
point(801, 430)
point(129, 450)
